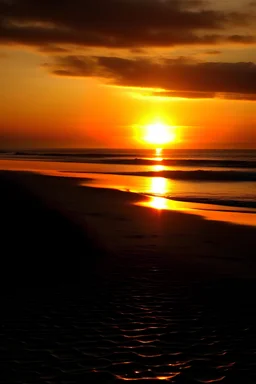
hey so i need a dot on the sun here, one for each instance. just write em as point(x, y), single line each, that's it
point(159, 134)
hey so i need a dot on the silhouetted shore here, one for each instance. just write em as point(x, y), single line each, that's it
point(41, 247)
point(114, 291)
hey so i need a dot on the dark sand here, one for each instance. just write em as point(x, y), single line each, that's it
point(95, 289)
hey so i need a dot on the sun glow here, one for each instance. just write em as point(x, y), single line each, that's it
point(160, 133)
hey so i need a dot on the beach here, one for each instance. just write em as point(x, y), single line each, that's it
point(127, 191)
point(125, 228)
point(96, 288)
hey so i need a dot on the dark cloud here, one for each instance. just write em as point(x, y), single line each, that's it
point(242, 39)
point(53, 49)
point(205, 95)
point(181, 75)
point(57, 27)
point(213, 52)
point(238, 96)
point(184, 94)
point(118, 23)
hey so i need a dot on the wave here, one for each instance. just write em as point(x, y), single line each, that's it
point(244, 164)
point(198, 175)
point(131, 159)
point(71, 155)
point(221, 202)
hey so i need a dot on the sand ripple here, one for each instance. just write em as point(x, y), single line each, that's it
point(132, 329)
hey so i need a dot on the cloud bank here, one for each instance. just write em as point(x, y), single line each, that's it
point(57, 28)
point(180, 77)
point(120, 23)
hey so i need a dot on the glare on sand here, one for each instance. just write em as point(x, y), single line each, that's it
point(159, 134)
point(161, 203)
point(158, 203)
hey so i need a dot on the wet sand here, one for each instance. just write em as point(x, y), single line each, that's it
point(109, 291)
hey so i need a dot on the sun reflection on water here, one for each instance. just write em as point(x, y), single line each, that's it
point(158, 168)
point(158, 154)
point(158, 185)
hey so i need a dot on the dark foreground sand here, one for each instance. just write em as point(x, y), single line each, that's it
point(95, 289)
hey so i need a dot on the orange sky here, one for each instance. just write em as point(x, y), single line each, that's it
point(59, 92)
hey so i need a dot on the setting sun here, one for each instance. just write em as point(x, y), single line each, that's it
point(159, 133)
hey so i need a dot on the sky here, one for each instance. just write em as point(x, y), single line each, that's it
point(97, 73)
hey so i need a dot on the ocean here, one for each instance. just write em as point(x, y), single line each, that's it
point(219, 179)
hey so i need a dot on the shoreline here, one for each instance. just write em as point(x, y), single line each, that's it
point(211, 210)
point(126, 228)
